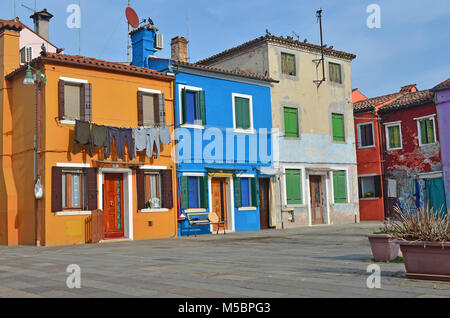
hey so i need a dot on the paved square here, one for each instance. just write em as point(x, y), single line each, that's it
point(325, 261)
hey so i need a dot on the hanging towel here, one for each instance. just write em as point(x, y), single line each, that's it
point(82, 134)
point(98, 138)
point(165, 135)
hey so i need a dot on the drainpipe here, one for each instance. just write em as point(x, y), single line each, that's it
point(383, 165)
point(38, 156)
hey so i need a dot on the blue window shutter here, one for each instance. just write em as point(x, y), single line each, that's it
point(245, 192)
point(194, 193)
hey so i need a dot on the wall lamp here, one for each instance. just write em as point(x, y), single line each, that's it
point(30, 79)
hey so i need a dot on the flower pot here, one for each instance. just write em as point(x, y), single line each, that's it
point(426, 260)
point(384, 247)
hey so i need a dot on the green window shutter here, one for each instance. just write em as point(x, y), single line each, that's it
point(290, 122)
point(431, 136)
point(204, 202)
point(423, 131)
point(338, 127)
point(394, 137)
point(184, 193)
point(202, 107)
point(183, 105)
point(242, 112)
point(255, 197)
point(293, 187)
point(237, 192)
point(340, 187)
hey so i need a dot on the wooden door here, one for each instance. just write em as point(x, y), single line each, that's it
point(219, 200)
point(264, 207)
point(113, 206)
point(316, 199)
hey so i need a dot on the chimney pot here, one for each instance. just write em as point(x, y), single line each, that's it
point(179, 49)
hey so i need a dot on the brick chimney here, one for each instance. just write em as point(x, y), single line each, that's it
point(409, 89)
point(179, 49)
point(41, 21)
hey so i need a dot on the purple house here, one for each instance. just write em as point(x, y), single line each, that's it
point(442, 101)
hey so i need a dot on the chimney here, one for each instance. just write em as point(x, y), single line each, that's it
point(179, 49)
point(41, 21)
point(143, 43)
point(409, 89)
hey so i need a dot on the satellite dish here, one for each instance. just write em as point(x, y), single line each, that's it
point(132, 17)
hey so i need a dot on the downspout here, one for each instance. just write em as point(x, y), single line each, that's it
point(38, 156)
point(174, 106)
point(383, 165)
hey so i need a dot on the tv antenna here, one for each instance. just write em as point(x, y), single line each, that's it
point(188, 32)
point(321, 60)
point(296, 35)
point(33, 10)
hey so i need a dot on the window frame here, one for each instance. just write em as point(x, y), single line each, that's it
point(65, 189)
point(180, 108)
point(359, 135)
point(251, 129)
point(154, 93)
point(159, 185)
point(330, 64)
point(73, 81)
point(387, 126)
point(419, 130)
point(295, 63)
point(249, 193)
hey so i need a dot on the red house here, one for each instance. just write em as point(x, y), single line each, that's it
point(370, 153)
point(413, 167)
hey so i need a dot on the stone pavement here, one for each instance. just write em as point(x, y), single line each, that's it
point(324, 261)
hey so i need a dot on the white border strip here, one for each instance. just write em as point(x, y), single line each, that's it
point(73, 80)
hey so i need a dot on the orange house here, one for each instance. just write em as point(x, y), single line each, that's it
point(37, 125)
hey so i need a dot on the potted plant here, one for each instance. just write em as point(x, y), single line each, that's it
point(424, 238)
point(383, 244)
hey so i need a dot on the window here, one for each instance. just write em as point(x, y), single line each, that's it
point(193, 107)
point(290, 122)
point(427, 131)
point(194, 192)
point(393, 136)
point(294, 187)
point(72, 190)
point(340, 186)
point(335, 72)
point(366, 135)
point(154, 189)
point(151, 108)
point(245, 192)
point(288, 64)
point(75, 100)
point(243, 117)
point(369, 187)
point(338, 127)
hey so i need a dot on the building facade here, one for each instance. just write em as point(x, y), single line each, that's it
point(41, 127)
point(414, 171)
point(442, 100)
point(314, 115)
point(224, 142)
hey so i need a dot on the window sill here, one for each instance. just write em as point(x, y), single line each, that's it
point(346, 203)
point(250, 208)
point(368, 199)
point(73, 213)
point(367, 147)
point(154, 210)
point(67, 122)
point(293, 206)
point(195, 210)
point(192, 126)
point(394, 149)
point(426, 145)
point(244, 131)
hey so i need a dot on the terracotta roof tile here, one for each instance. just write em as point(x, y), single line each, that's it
point(89, 62)
point(409, 100)
point(242, 73)
point(11, 25)
point(372, 103)
point(443, 84)
point(278, 40)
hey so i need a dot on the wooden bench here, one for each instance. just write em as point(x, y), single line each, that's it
point(213, 219)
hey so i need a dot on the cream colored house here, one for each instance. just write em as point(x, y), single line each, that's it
point(316, 164)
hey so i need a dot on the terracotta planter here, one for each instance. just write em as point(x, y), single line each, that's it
point(425, 260)
point(384, 247)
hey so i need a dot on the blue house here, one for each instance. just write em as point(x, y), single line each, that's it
point(224, 139)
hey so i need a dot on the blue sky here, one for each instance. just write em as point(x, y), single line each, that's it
point(412, 45)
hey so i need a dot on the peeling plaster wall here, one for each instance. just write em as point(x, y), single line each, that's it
point(406, 164)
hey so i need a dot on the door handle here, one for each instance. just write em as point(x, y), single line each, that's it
point(111, 203)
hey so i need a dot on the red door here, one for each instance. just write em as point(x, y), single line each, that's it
point(219, 201)
point(264, 206)
point(113, 206)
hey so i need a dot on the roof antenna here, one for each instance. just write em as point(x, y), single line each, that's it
point(322, 60)
point(296, 35)
point(188, 32)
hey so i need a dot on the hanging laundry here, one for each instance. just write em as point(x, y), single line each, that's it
point(82, 134)
point(165, 135)
point(120, 135)
point(141, 141)
point(98, 139)
point(153, 135)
